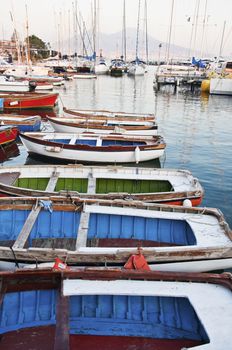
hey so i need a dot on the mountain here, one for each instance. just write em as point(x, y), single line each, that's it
point(111, 45)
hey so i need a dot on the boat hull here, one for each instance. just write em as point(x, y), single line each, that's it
point(17, 87)
point(30, 101)
point(111, 155)
point(136, 70)
point(23, 124)
point(62, 127)
point(104, 115)
point(220, 86)
point(8, 134)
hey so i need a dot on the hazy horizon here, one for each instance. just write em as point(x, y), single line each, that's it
point(45, 17)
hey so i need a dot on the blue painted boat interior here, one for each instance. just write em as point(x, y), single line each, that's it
point(154, 317)
point(132, 227)
point(65, 224)
point(58, 224)
point(28, 128)
point(86, 142)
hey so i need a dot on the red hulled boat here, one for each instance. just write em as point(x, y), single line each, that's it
point(29, 100)
point(8, 134)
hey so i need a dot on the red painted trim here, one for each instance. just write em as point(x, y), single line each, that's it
point(38, 338)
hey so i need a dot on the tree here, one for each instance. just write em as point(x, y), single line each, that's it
point(38, 48)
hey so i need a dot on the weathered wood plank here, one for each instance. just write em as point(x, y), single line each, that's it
point(83, 231)
point(91, 185)
point(27, 227)
point(62, 322)
point(3, 288)
point(84, 221)
point(152, 255)
point(52, 182)
point(31, 219)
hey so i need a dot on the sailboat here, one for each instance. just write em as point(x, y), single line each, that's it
point(137, 67)
point(100, 66)
point(118, 65)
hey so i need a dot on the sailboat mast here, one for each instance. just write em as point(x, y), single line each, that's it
point(137, 38)
point(146, 37)
point(222, 39)
point(124, 31)
point(203, 31)
point(94, 29)
point(196, 27)
point(16, 39)
point(28, 42)
point(170, 32)
point(69, 37)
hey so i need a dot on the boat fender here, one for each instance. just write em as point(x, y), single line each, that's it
point(59, 265)
point(55, 149)
point(14, 103)
point(137, 155)
point(187, 203)
point(32, 85)
point(137, 262)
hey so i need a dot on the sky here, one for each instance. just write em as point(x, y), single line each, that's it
point(44, 16)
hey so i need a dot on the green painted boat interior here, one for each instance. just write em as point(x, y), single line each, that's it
point(132, 186)
point(72, 184)
point(102, 185)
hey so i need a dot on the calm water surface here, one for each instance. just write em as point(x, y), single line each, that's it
point(197, 128)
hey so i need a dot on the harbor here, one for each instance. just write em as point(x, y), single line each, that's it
point(115, 182)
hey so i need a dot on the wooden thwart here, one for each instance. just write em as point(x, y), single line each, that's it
point(83, 231)
point(31, 219)
point(91, 184)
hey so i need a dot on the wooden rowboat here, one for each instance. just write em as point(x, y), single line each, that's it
point(109, 232)
point(8, 133)
point(94, 148)
point(29, 100)
point(23, 124)
point(165, 186)
point(75, 125)
point(115, 309)
point(102, 114)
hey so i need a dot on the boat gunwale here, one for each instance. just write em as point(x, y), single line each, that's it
point(102, 126)
point(120, 116)
point(160, 145)
point(29, 279)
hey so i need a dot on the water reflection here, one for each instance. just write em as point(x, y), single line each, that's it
point(8, 151)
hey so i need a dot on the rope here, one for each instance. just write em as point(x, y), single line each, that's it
point(15, 259)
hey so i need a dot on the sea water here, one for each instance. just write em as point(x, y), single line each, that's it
point(197, 128)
